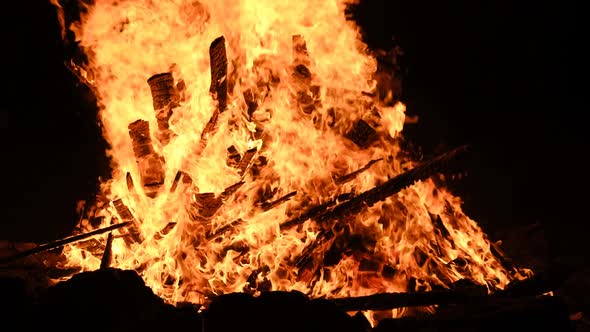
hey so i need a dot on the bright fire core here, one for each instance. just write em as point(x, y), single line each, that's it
point(207, 201)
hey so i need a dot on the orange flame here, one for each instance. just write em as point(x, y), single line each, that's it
point(296, 73)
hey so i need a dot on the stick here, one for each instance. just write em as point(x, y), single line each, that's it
point(62, 242)
point(269, 205)
point(106, 259)
point(350, 176)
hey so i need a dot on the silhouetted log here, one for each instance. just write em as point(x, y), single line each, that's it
point(177, 178)
point(536, 285)
point(180, 177)
point(362, 134)
point(218, 63)
point(150, 164)
point(165, 98)
point(523, 314)
point(105, 261)
point(351, 176)
point(62, 242)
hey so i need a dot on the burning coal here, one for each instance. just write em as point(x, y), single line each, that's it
point(253, 149)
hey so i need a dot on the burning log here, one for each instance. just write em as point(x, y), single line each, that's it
point(207, 204)
point(353, 204)
point(186, 180)
point(246, 161)
point(62, 242)
point(175, 181)
point(392, 186)
point(269, 205)
point(165, 98)
point(218, 59)
point(315, 211)
point(126, 215)
point(351, 176)
point(233, 157)
point(218, 88)
point(150, 164)
point(536, 285)
point(223, 229)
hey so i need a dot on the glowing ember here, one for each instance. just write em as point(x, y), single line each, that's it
point(211, 157)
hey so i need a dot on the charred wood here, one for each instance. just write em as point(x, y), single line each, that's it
point(150, 164)
point(246, 160)
point(207, 204)
point(314, 211)
point(129, 180)
point(269, 205)
point(351, 176)
point(362, 134)
point(218, 60)
point(165, 98)
point(126, 215)
point(177, 178)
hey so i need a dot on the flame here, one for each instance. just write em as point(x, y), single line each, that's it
point(299, 79)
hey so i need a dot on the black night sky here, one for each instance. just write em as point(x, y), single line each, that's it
point(494, 74)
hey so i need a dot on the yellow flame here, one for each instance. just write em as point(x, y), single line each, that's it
point(386, 247)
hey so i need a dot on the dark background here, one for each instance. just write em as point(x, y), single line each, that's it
point(494, 74)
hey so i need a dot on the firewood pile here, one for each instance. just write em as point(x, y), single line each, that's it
point(114, 299)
